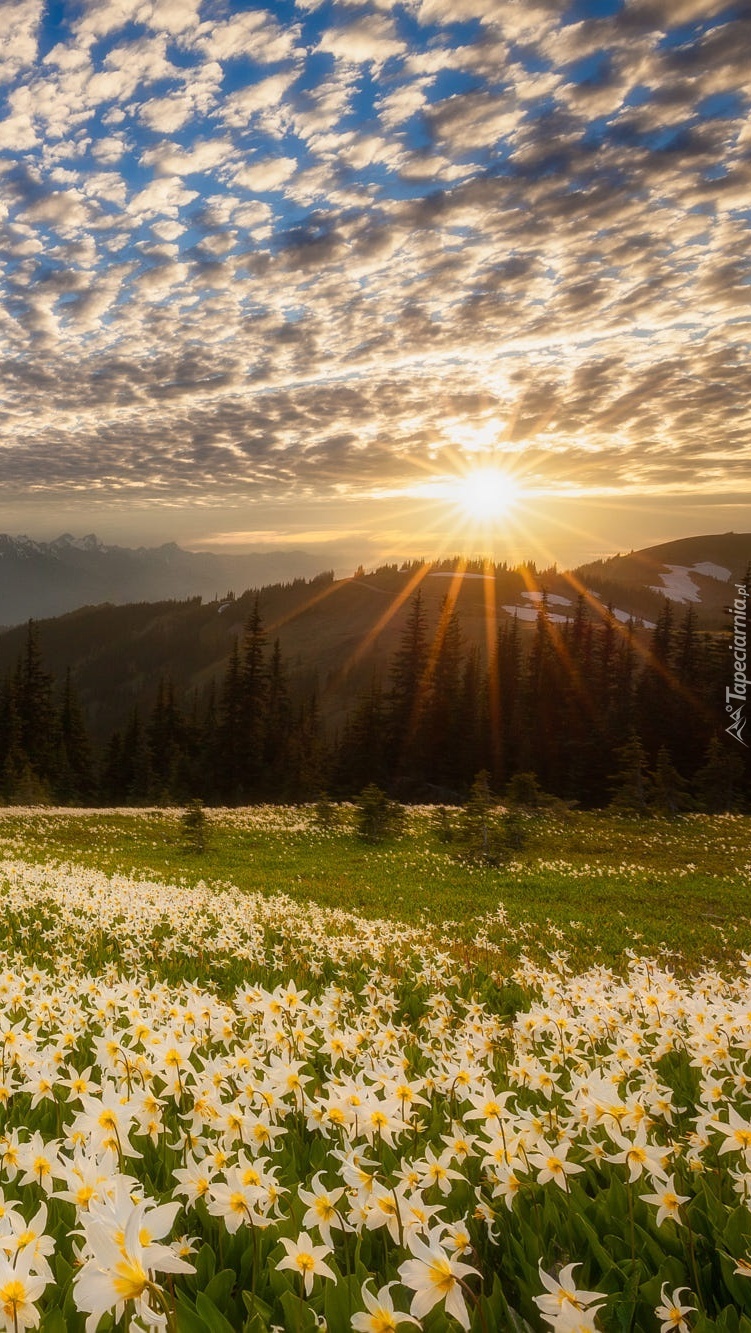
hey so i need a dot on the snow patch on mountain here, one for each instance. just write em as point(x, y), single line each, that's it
point(551, 598)
point(678, 585)
point(532, 612)
point(710, 571)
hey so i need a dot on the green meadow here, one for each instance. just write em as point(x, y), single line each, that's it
point(598, 883)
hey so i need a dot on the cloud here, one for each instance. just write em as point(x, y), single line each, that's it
point(371, 39)
point(254, 34)
point(266, 175)
point(169, 159)
point(19, 31)
point(265, 95)
point(479, 227)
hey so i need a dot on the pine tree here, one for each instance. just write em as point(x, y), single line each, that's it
point(76, 757)
point(36, 711)
point(405, 698)
point(112, 780)
point(719, 780)
point(137, 773)
point(228, 743)
point(543, 694)
point(165, 739)
point(658, 694)
point(362, 756)
point(506, 677)
point(254, 687)
point(12, 759)
point(668, 794)
point(441, 716)
point(630, 784)
point(308, 757)
point(475, 827)
point(277, 724)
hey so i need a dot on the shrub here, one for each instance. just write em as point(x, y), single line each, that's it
point(193, 825)
point(377, 817)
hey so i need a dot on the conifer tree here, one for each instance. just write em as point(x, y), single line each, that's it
point(308, 758)
point(136, 764)
point(12, 758)
point(630, 784)
point(405, 698)
point(112, 784)
point(506, 679)
point(441, 715)
point(669, 790)
point(718, 782)
point(164, 739)
point(362, 758)
point(36, 710)
point(543, 690)
point(254, 685)
point(277, 723)
point(228, 734)
point(76, 757)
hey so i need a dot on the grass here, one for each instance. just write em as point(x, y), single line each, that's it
point(596, 884)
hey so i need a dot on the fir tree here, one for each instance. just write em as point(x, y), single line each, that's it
point(718, 782)
point(36, 710)
point(630, 783)
point(253, 703)
point(76, 757)
point(277, 723)
point(405, 698)
point(668, 793)
point(441, 716)
point(228, 745)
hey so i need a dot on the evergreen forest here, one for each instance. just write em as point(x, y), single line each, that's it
point(591, 711)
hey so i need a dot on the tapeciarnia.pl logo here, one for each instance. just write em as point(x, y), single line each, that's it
point(736, 695)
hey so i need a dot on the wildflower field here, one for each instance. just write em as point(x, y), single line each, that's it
point(296, 1082)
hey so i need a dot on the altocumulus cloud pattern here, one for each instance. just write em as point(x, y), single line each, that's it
point(309, 248)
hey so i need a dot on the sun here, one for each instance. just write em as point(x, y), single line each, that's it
point(485, 493)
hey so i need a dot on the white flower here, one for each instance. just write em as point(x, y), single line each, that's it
point(19, 1289)
point(672, 1312)
point(667, 1201)
point(435, 1276)
point(381, 1316)
point(307, 1259)
point(563, 1295)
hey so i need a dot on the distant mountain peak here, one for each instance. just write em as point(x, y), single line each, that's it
point(46, 579)
point(88, 543)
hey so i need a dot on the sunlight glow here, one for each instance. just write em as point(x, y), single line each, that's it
point(486, 493)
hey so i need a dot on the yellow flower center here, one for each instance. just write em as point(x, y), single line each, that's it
point(12, 1295)
point(441, 1275)
point(130, 1280)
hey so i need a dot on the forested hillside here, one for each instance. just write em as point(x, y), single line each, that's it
point(593, 708)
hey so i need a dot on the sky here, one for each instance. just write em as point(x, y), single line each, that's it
point(289, 275)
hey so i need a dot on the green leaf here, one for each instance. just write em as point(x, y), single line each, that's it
point(737, 1232)
point(255, 1325)
point(188, 1320)
point(53, 1322)
point(205, 1266)
point(212, 1318)
point(254, 1304)
point(63, 1272)
point(341, 1299)
point(297, 1314)
point(220, 1288)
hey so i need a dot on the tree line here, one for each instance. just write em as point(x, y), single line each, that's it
point(593, 710)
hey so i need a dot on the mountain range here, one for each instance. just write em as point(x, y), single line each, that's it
point(43, 579)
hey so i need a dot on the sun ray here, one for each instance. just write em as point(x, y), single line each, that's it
point(393, 607)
